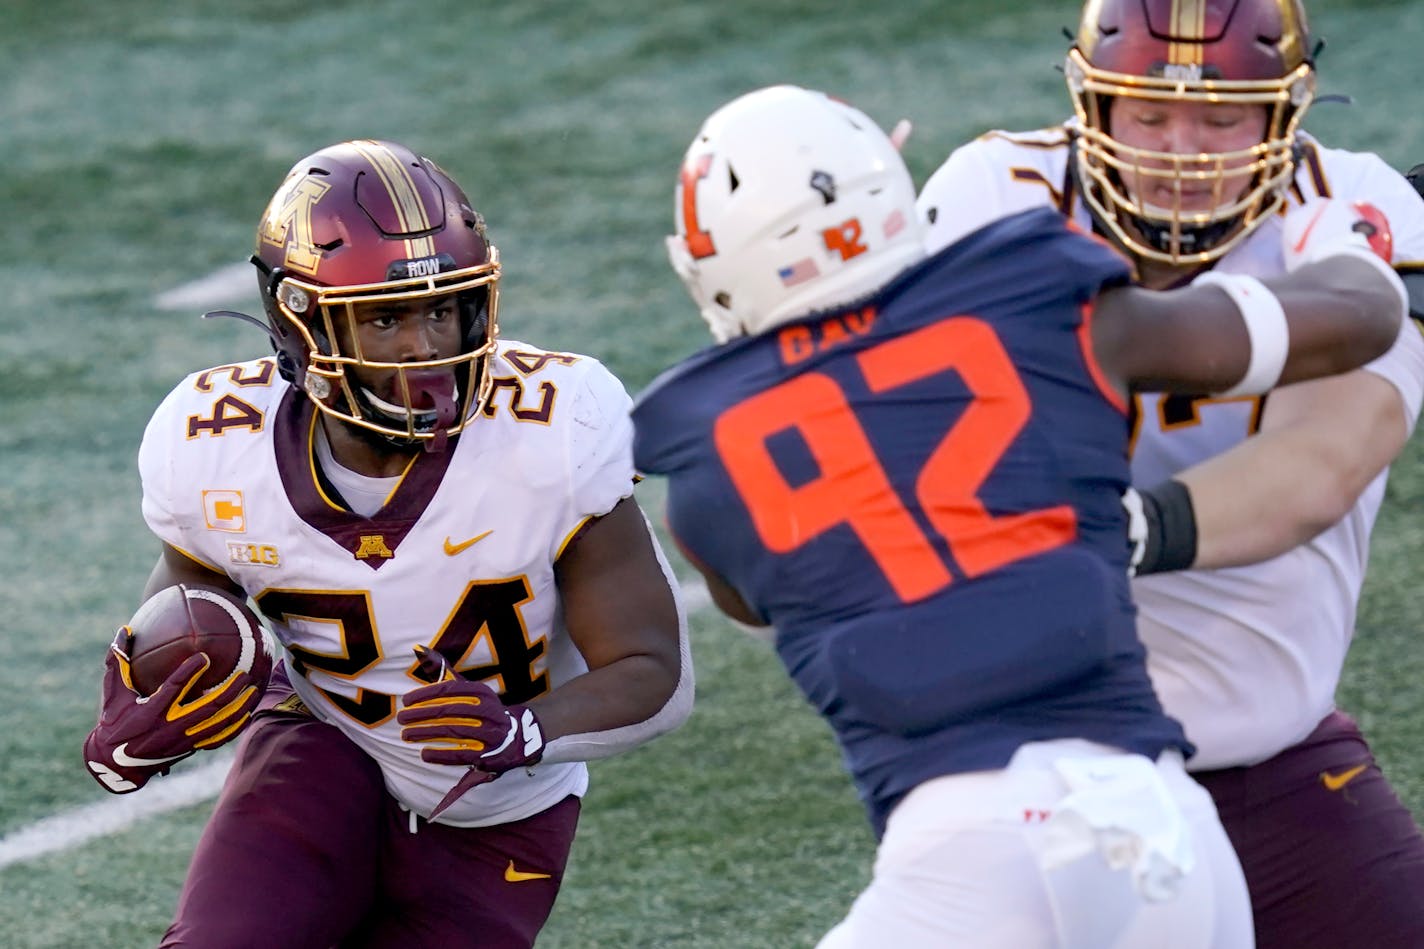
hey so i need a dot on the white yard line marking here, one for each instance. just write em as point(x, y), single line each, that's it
point(224, 285)
point(112, 815)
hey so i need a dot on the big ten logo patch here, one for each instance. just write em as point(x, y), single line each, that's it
point(253, 555)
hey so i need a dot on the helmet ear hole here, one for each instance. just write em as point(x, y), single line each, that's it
point(287, 367)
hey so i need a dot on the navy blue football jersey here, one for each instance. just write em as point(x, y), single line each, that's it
point(922, 495)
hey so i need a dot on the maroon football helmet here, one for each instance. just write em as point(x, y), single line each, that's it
point(369, 221)
point(1248, 52)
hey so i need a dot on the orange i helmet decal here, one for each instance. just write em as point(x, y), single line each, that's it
point(694, 169)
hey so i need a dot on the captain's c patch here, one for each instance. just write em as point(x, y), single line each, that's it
point(223, 511)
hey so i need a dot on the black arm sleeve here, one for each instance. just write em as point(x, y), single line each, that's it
point(1171, 528)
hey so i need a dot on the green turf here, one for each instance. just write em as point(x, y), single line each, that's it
point(143, 139)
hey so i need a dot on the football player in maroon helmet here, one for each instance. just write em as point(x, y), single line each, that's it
point(436, 562)
point(1186, 151)
point(1187, 118)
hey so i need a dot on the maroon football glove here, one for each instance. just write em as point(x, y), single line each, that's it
point(138, 737)
point(464, 723)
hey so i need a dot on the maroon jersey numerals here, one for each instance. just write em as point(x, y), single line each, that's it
point(488, 614)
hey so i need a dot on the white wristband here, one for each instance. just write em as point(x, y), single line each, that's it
point(1266, 327)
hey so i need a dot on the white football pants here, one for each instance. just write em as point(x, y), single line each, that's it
point(1072, 846)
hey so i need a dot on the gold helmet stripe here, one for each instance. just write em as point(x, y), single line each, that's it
point(404, 196)
point(1189, 23)
point(1294, 34)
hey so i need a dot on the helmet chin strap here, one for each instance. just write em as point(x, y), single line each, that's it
point(1193, 240)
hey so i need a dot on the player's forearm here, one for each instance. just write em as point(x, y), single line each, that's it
point(620, 693)
point(1320, 446)
point(1261, 499)
point(614, 708)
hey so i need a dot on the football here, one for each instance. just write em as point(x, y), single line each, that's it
point(185, 619)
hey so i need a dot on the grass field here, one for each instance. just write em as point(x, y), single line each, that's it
point(143, 139)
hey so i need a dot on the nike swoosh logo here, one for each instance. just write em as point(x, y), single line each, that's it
point(1334, 782)
point(124, 759)
point(1305, 234)
point(453, 549)
point(519, 876)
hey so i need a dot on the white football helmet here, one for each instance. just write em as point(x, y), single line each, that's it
point(789, 202)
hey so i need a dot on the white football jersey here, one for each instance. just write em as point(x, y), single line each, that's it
point(460, 557)
point(1247, 658)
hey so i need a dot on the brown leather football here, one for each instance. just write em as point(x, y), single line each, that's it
point(185, 619)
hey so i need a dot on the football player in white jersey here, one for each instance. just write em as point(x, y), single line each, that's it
point(439, 526)
point(1186, 151)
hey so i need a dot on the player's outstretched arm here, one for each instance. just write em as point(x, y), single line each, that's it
point(1230, 334)
point(1319, 444)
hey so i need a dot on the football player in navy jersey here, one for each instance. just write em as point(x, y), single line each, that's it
point(911, 467)
point(1187, 150)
